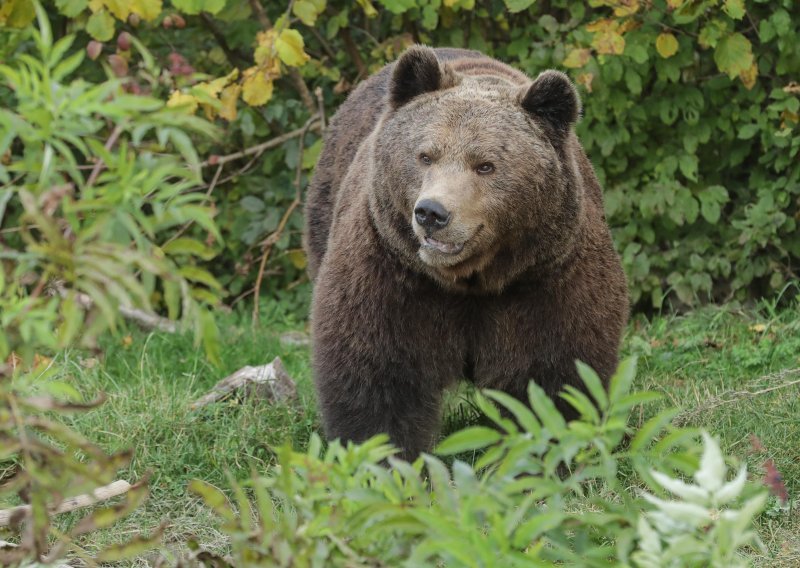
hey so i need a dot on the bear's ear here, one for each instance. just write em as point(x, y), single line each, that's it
point(417, 71)
point(553, 98)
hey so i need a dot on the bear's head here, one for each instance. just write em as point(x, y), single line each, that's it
point(475, 173)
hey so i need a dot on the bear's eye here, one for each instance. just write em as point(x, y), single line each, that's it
point(485, 168)
point(425, 159)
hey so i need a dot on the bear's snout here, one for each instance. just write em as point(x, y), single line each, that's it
point(431, 215)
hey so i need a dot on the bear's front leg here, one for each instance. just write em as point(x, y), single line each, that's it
point(382, 355)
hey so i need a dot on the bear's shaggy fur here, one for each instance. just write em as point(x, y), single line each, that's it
point(516, 280)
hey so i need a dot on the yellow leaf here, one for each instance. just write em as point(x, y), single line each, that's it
point(666, 45)
point(749, 76)
point(674, 4)
point(298, 258)
point(213, 88)
point(289, 45)
point(265, 44)
point(369, 9)
point(127, 341)
point(607, 38)
point(628, 25)
point(577, 58)
point(182, 100)
point(626, 8)
point(585, 79)
point(228, 98)
point(610, 43)
point(147, 9)
point(96, 5)
point(16, 13)
point(602, 26)
point(758, 328)
point(256, 87)
point(120, 9)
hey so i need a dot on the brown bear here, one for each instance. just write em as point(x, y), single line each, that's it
point(455, 229)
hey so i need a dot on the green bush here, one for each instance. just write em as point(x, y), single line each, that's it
point(538, 492)
point(97, 186)
point(97, 189)
point(691, 115)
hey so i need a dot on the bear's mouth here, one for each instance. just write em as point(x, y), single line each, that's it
point(443, 247)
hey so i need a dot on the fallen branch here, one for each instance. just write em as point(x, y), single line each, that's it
point(270, 382)
point(146, 320)
point(731, 397)
point(103, 493)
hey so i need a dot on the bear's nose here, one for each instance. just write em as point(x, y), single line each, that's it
point(431, 215)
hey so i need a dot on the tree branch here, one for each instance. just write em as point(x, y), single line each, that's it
point(258, 148)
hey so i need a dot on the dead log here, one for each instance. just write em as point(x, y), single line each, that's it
point(269, 382)
point(145, 320)
point(103, 493)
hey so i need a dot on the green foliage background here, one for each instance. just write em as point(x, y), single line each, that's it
point(691, 115)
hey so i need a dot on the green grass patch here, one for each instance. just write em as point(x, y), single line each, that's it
point(733, 372)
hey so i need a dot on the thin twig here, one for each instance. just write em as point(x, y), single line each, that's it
point(321, 109)
point(270, 241)
point(98, 167)
point(352, 51)
point(326, 47)
point(235, 57)
point(257, 149)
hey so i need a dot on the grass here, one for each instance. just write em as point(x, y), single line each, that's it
point(734, 372)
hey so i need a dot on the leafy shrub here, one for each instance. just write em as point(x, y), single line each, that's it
point(691, 115)
point(92, 208)
point(95, 197)
point(539, 492)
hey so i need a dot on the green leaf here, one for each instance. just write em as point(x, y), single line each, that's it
point(289, 45)
point(213, 498)
point(620, 384)
point(532, 529)
point(735, 9)
point(521, 412)
point(747, 131)
point(189, 246)
point(71, 8)
point(196, 274)
point(733, 54)
point(712, 32)
point(515, 6)
point(711, 200)
point(649, 430)
point(688, 166)
point(394, 6)
point(545, 410)
point(308, 10)
point(197, 6)
point(468, 439)
point(593, 384)
point(100, 26)
point(210, 336)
